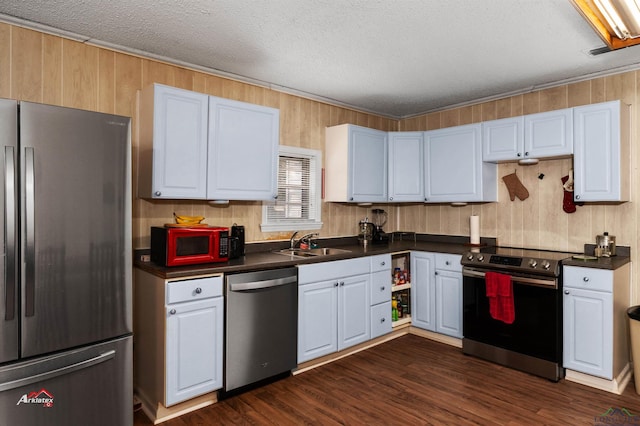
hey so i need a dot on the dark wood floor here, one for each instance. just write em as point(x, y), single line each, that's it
point(414, 381)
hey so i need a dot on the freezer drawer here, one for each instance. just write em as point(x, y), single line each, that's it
point(87, 386)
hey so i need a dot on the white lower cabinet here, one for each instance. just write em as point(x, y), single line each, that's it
point(594, 320)
point(380, 295)
point(437, 293)
point(381, 319)
point(333, 306)
point(423, 290)
point(588, 318)
point(178, 336)
point(193, 356)
point(449, 303)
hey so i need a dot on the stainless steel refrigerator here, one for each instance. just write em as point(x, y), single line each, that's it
point(65, 267)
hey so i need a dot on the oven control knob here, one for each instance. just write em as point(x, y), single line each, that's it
point(546, 265)
point(533, 263)
point(480, 258)
point(470, 256)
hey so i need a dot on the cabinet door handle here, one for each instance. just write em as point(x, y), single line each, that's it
point(172, 312)
point(382, 288)
point(383, 263)
point(447, 263)
point(577, 197)
point(383, 319)
point(336, 284)
point(341, 283)
point(519, 155)
point(566, 292)
point(157, 193)
point(435, 273)
point(526, 154)
point(585, 279)
point(198, 290)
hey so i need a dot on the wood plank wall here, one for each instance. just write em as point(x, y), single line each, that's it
point(539, 221)
point(45, 68)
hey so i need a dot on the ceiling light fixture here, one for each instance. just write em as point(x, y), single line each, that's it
point(617, 22)
point(623, 16)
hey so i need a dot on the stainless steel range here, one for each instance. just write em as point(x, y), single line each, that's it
point(530, 339)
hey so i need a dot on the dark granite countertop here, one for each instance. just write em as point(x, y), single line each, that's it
point(261, 256)
point(622, 257)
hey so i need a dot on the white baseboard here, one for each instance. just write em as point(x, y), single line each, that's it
point(158, 413)
point(617, 385)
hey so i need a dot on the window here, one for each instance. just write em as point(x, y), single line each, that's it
point(298, 204)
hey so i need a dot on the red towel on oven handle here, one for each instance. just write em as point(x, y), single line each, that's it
point(500, 295)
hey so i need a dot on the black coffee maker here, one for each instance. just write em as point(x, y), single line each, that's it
point(379, 218)
point(236, 241)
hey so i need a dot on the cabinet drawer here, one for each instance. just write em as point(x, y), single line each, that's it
point(194, 289)
point(448, 262)
point(588, 278)
point(380, 287)
point(380, 319)
point(381, 263)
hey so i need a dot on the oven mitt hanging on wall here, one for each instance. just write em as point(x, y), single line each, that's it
point(515, 187)
point(567, 202)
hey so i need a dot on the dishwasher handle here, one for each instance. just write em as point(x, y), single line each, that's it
point(258, 285)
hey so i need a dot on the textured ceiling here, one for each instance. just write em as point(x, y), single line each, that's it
point(393, 57)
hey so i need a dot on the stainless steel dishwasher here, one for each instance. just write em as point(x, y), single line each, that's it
point(261, 326)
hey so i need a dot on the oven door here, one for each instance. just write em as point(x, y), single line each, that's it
point(537, 328)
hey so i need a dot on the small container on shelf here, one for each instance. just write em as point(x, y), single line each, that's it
point(396, 276)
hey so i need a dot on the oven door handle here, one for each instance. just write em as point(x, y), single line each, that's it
point(552, 283)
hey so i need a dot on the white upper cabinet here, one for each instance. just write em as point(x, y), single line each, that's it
point(406, 163)
point(548, 134)
point(601, 152)
point(503, 139)
point(173, 143)
point(356, 164)
point(454, 170)
point(533, 136)
point(243, 151)
point(195, 146)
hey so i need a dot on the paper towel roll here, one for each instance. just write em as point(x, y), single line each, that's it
point(474, 229)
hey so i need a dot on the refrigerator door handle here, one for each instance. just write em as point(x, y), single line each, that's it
point(10, 232)
point(58, 371)
point(30, 261)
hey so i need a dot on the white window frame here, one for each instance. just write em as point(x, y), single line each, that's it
point(315, 187)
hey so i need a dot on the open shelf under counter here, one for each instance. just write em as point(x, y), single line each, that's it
point(400, 287)
point(402, 321)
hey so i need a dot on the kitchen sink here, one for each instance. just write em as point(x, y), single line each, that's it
point(325, 251)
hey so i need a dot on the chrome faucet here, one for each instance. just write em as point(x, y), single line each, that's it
point(292, 242)
point(307, 237)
